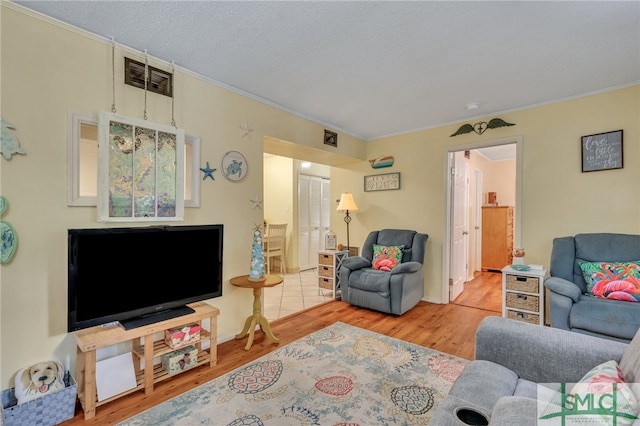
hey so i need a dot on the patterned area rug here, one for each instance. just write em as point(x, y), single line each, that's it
point(340, 375)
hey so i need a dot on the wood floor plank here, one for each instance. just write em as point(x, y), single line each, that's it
point(447, 328)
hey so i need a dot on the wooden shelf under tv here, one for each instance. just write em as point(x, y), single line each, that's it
point(89, 340)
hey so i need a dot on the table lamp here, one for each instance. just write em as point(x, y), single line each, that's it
point(347, 204)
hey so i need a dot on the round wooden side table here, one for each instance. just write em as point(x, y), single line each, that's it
point(257, 318)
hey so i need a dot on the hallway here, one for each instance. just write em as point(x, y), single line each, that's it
point(297, 292)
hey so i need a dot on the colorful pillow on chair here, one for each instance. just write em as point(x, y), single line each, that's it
point(612, 280)
point(386, 258)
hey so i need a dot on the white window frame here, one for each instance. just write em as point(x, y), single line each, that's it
point(75, 120)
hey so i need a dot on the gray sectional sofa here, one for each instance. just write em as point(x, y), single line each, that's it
point(512, 357)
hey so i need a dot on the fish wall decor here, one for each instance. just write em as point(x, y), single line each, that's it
point(382, 162)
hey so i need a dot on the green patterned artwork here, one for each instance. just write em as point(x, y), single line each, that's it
point(141, 171)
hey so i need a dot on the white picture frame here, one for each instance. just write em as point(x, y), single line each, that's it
point(137, 180)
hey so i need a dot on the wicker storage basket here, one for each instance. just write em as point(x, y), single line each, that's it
point(522, 301)
point(523, 316)
point(520, 283)
point(325, 283)
point(325, 271)
point(49, 410)
point(325, 259)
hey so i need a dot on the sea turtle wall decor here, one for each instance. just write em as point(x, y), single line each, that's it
point(8, 235)
point(9, 143)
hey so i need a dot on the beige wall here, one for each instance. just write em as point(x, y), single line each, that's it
point(500, 177)
point(46, 71)
point(557, 199)
point(279, 180)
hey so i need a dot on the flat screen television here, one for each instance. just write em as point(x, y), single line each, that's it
point(137, 276)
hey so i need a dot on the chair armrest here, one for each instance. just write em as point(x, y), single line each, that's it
point(403, 268)
point(356, 262)
point(542, 354)
point(514, 410)
point(563, 287)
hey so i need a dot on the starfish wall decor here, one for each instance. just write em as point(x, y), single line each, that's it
point(481, 126)
point(257, 202)
point(208, 172)
point(246, 130)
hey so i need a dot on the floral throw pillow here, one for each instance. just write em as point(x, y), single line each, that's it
point(606, 386)
point(386, 258)
point(612, 280)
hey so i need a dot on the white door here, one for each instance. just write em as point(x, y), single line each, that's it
point(313, 218)
point(459, 232)
point(465, 233)
point(477, 229)
point(325, 222)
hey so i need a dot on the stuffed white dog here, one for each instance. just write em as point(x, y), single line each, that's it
point(38, 380)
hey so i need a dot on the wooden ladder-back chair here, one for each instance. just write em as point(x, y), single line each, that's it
point(275, 244)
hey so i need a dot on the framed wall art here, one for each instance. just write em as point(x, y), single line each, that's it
point(602, 151)
point(234, 166)
point(82, 158)
point(140, 170)
point(330, 138)
point(383, 182)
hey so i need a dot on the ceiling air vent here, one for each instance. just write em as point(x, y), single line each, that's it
point(159, 81)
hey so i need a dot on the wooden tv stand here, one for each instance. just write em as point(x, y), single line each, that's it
point(91, 339)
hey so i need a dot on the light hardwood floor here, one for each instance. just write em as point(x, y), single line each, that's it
point(447, 328)
point(484, 291)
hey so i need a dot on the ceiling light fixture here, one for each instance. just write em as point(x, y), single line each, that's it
point(472, 105)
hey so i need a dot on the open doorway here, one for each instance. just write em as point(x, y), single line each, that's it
point(296, 193)
point(474, 171)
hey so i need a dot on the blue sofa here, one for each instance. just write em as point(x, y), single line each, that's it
point(571, 307)
point(518, 364)
point(393, 292)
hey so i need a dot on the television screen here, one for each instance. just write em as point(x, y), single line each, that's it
point(141, 275)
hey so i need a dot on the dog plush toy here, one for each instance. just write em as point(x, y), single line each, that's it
point(38, 380)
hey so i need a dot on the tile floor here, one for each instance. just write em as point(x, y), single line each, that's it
point(297, 292)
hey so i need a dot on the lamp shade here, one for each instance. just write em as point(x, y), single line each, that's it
point(347, 203)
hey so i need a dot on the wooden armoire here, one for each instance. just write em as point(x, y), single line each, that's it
point(497, 237)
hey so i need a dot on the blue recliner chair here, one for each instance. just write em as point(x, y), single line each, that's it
point(395, 291)
point(571, 307)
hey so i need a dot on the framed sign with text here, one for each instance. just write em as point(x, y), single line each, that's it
point(384, 182)
point(602, 151)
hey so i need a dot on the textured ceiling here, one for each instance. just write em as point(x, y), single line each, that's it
point(375, 69)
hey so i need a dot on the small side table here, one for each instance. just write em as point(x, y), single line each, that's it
point(257, 318)
point(329, 262)
point(523, 295)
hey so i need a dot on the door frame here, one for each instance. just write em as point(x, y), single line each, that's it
point(446, 248)
point(458, 275)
